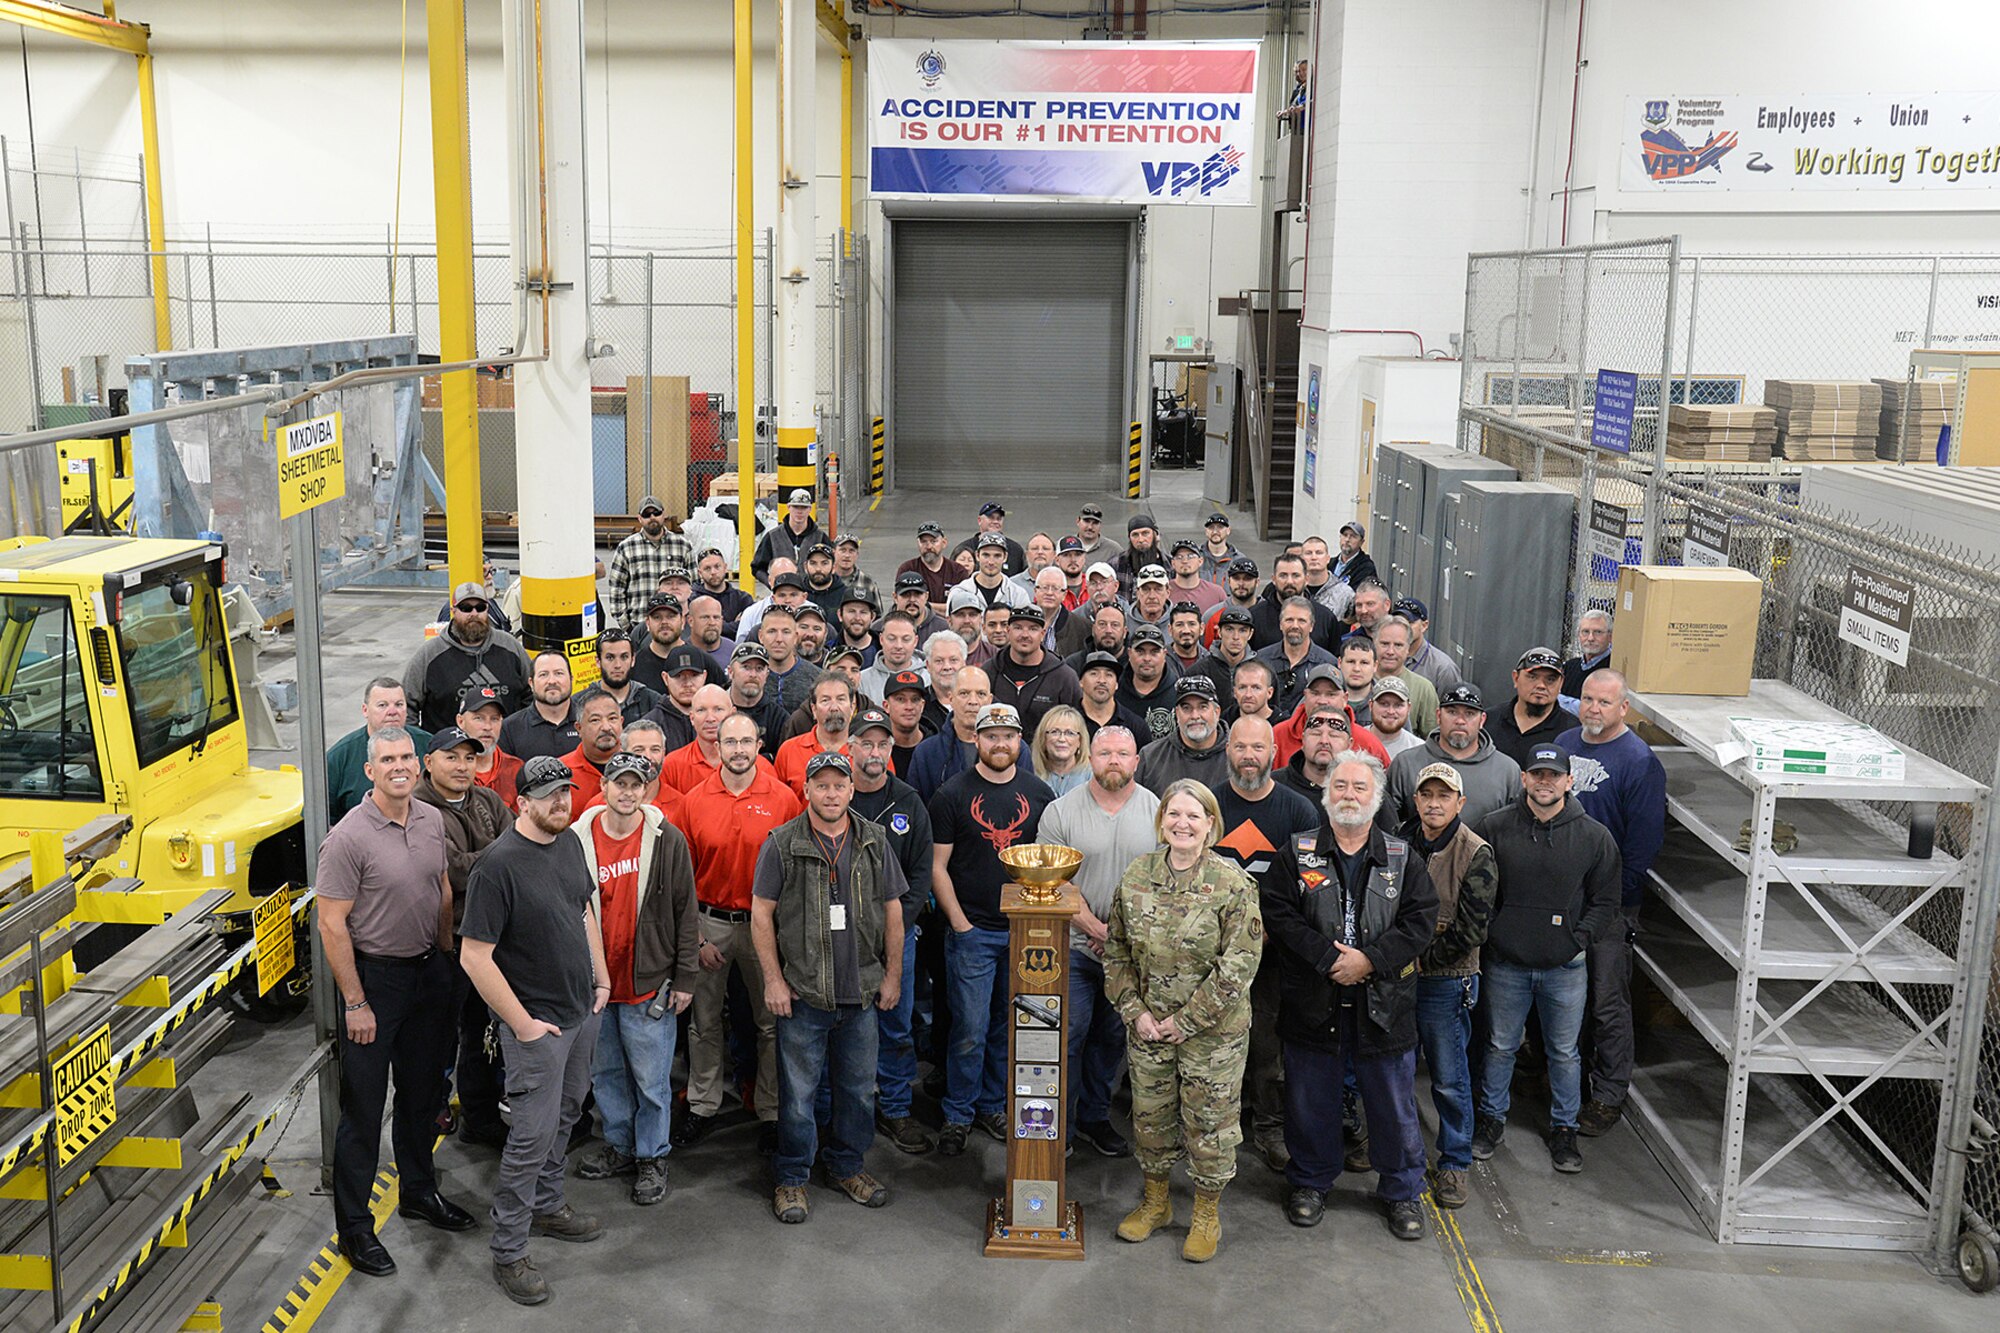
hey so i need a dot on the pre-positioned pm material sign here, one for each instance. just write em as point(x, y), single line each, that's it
point(1876, 613)
point(312, 467)
point(1131, 123)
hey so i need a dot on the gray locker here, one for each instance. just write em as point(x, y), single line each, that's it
point(1444, 473)
point(1502, 578)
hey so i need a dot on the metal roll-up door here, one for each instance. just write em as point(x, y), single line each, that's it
point(1010, 354)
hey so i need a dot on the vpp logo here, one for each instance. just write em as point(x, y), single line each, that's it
point(1203, 177)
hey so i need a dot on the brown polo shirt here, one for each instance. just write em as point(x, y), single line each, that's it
point(392, 873)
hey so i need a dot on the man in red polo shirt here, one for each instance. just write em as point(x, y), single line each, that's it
point(697, 761)
point(833, 708)
point(728, 818)
point(600, 732)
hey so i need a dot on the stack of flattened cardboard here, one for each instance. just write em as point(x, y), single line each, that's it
point(1826, 421)
point(1912, 416)
point(1732, 434)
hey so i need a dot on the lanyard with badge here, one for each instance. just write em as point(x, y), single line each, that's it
point(836, 912)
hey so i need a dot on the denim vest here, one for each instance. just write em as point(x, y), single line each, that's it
point(805, 941)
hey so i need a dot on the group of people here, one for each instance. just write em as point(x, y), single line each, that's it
point(768, 837)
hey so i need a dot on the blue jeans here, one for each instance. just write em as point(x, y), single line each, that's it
point(1314, 1133)
point(1096, 1041)
point(631, 1072)
point(1558, 996)
point(896, 1058)
point(975, 1077)
point(809, 1042)
point(1444, 1032)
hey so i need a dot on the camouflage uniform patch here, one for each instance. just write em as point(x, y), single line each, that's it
point(1188, 953)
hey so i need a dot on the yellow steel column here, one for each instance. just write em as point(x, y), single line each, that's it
point(156, 207)
point(746, 287)
point(457, 336)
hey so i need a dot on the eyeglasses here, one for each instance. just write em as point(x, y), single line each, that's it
point(1054, 732)
point(471, 608)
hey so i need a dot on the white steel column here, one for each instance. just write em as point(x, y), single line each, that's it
point(798, 371)
point(543, 49)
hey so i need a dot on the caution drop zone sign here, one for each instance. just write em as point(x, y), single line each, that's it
point(86, 1101)
point(312, 467)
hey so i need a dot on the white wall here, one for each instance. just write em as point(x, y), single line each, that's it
point(1418, 158)
point(1777, 47)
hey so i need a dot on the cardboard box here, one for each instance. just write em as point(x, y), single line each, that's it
point(1686, 631)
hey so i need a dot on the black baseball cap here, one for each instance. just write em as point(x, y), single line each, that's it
point(663, 601)
point(1184, 609)
point(1070, 544)
point(1235, 615)
point(905, 680)
point(1100, 658)
point(1029, 612)
point(804, 609)
point(1243, 565)
point(929, 530)
point(1463, 696)
point(820, 548)
point(544, 775)
point(451, 736)
point(1215, 518)
point(854, 596)
point(870, 718)
point(791, 578)
point(840, 650)
point(992, 509)
point(826, 759)
point(676, 572)
point(1410, 608)
point(1539, 657)
point(1547, 758)
point(628, 764)
point(1145, 632)
point(1187, 544)
point(752, 650)
point(685, 657)
point(1194, 687)
point(475, 697)
point(910, 580)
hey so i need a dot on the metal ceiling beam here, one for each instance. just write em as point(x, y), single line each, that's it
point(82, 25)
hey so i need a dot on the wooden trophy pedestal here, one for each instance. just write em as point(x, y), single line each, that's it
point(1034, 1218)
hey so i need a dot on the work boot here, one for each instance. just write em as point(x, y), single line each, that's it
point(690, 1128)
point(605, 1163)
point(1487, 1131)
point(992, 1124)
point(789, 1204)
point(951, 1139)
point(1562, 1150)
point(1205, 1231)
point(1357, 1158)
point(651, 1185)
point(566, 1223)
point(864, 1189)
point(1598, 1118)
point(1449, 1188)
point(1156, 1210)
point(1405, 1218)
point(1102, 1139)
point(521, 1281)
point(1271, 1147)
point(905, 1133)
point(1305, 1206)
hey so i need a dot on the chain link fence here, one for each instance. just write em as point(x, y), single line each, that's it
point(1711, 330)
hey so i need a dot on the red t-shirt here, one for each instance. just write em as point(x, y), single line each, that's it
point(725, 832)
point(589, 779)
point(500, 779)
point(793, 756)
point(618, 903)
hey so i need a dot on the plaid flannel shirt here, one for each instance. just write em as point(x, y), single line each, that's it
point(636, 567)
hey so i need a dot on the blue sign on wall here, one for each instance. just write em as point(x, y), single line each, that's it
point(1611, 426)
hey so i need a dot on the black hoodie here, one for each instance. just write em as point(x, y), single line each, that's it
point(1264, 622)
point(1157, 708)
point(1560, 884)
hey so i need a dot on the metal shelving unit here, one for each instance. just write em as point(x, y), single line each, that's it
point(1803, 985)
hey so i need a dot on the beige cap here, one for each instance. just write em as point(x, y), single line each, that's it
point(1444, 773)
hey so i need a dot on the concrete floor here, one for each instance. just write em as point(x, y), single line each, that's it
point(1614, 1248)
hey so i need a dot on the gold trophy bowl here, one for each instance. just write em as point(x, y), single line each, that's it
point(1041, 868)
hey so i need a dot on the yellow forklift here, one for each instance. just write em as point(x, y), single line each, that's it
point(118, 694)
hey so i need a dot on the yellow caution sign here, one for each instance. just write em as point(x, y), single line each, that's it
point(271, 919)
point(312, 466)
point(582, 654)
point(86, 1101)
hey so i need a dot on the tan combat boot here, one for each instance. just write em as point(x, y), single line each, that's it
point(1205, 1231)
point(1156, 1210)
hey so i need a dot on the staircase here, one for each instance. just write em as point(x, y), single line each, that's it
point(1270, 415)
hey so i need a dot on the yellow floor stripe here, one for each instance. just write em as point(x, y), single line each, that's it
point(1479, 1310)
point(309, 1296)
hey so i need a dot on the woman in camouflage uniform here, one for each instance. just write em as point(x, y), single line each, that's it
point(1185, 937)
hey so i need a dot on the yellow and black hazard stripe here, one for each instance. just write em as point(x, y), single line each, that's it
point(135, 1265)
point(328, 1269)
point(1133, 451)
point(877, 469)
point(16, 1152)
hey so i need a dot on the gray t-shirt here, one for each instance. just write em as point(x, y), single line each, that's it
point(769, 884)
point(1109, 844)
point(392, 873)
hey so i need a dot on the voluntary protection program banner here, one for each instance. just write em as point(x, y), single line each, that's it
point(1139, 123)
point(1849, 141)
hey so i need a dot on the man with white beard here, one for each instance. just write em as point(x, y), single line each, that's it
point(1348, 910)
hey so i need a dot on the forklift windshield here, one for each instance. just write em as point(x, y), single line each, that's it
point(47, 747)
point(177, 682)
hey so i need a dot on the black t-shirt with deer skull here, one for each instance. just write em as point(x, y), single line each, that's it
point(981, 819)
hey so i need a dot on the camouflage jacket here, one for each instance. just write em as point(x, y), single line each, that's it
point(1184, 953)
